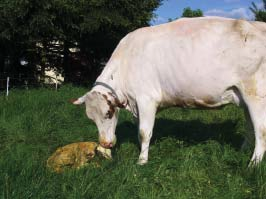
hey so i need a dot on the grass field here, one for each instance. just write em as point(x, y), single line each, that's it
point(193, 154)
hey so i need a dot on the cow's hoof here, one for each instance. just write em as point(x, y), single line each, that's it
point(142, 162)
point(253, 164)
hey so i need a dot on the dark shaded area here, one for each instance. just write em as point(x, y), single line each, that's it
point(191, 132)
point(73, 38)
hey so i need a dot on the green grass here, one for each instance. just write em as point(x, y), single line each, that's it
point(193, 154)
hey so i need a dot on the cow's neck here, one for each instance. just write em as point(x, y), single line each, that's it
point(110, 79)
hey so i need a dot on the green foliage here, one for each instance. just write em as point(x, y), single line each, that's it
point(113, 20)
point(260, 14)
point(188, 12)
point(95, 27)
point(193, 154)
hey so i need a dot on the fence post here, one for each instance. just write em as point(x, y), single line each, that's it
point(7, 86)
point(56, 83)
point(26, 82)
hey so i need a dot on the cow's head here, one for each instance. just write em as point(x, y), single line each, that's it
point(103, 110)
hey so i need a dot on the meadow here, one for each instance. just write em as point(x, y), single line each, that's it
point(193, 154)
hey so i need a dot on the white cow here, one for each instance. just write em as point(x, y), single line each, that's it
point(197, 62)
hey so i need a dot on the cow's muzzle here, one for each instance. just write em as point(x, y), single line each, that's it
point(106, 145)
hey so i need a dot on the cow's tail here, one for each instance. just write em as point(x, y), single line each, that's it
point(79, 101)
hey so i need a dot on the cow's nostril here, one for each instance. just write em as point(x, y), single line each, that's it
point(106, 145)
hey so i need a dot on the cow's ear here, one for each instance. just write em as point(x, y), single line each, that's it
point(73, 101)
point(114, 101)
point(111, 109)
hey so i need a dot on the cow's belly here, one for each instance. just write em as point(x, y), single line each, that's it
point(192, 101)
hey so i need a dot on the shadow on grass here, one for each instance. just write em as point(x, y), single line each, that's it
point(191, 132)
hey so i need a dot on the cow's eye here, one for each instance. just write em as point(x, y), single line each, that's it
point(108, 115)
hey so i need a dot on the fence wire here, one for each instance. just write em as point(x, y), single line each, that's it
point(10, 83)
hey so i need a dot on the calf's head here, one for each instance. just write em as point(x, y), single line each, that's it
point(102, 110)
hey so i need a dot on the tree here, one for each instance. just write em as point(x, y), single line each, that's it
point(260, 14)
point(44, 31)
point(23, 24)
point(106, 22)
point(188, 12)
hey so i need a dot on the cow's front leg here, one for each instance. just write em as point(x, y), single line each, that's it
point(147, 112)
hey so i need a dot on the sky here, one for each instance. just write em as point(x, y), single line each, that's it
point(225, 8)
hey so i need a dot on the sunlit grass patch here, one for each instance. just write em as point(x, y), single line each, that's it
point(193, 154)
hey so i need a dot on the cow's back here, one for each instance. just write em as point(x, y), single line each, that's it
point(188, 57)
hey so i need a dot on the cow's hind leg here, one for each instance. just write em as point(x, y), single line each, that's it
point(250, 135)
point(146, 115)
point(259, 122)
point(257, 111)
point(254, 94)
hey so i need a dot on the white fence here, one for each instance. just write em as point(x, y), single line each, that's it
point(6, 83)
